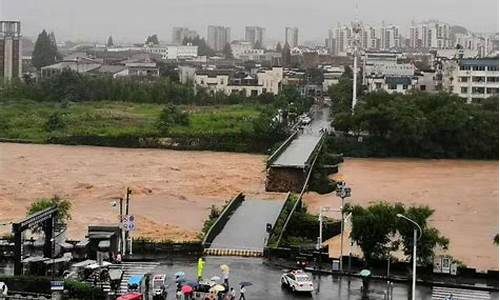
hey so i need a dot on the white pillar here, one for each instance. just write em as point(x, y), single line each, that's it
point(414, 281)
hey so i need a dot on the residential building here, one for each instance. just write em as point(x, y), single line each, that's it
point(390, 37)
point(245, 50)
point(10, 50)
point(77, 64)
point(390, 84)
point(385, 63)
point(228, 81)
point(292, 36)
point(218, 37)
point(254, 35)
point(181, 33)
point(331, 76)
point(474, 79)
point(430, 35)
point(174, 52)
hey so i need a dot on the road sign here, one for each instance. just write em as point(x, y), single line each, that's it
point(128, 223)
point(56, 285)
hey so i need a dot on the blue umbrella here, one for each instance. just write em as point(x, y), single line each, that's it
point(179, 274)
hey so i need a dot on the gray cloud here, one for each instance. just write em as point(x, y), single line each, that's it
point(132, 20)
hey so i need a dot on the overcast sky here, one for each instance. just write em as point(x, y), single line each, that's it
point(132, 20)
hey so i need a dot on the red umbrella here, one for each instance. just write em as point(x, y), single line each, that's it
point(186, 289)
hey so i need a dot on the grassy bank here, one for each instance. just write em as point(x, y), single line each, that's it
point(114, 123)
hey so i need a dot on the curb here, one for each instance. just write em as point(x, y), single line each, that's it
point(233, 252)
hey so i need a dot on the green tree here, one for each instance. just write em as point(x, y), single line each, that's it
point(45, 50)
point(63, 205)
point(152, 40)
point(374, 229)
point(110, 41)
point(55, 122)
point(227, 51)
point(171, 116)
point(430, 239)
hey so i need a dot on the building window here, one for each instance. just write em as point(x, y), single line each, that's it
point(492, 91)
point(464, 68)
point(378, 85)
point(478, 90)
point(392, 86)
point(477, 79)
point(464, 90)
point(464, 79)
point(405, 86)
point(493, 68)
point(492, 79)
point(478, 68)
point(254, 93)
point(423, 87)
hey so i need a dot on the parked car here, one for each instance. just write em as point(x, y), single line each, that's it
point(297, 281)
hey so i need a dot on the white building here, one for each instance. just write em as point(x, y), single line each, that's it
point(390, 37)
point(391, 84)
point(221, 81)
point(331, 76)
point(244, 50)
point(377, 64)
point(474, 79)
point(174, 51)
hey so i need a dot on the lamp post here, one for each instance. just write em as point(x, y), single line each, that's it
point(343, 191)
point(415, 239)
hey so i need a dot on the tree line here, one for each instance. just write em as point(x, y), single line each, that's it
point(418, 124)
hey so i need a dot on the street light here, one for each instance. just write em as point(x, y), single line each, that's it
point(415, 239)
point(343, 191)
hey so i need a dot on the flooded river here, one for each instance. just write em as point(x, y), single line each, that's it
point(172, 190)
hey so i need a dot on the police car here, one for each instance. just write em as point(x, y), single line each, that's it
point(297, 281)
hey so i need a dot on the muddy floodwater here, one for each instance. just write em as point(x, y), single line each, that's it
point(173, 190)
point(463, 193)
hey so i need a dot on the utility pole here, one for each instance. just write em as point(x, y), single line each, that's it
point(415, 239)
point(357, 29)
point(343, 191)
point(127, 235)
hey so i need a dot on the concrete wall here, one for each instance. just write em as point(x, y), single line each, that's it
point(280, 179)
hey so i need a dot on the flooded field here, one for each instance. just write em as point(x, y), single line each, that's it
point(173, 190)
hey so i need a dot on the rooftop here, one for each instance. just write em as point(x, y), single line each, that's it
point(485, 62)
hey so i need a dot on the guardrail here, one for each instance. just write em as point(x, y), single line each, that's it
point(304, 188)
point(221, 221)
point(280, 149)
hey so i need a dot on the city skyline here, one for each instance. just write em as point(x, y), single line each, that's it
point(79, 21)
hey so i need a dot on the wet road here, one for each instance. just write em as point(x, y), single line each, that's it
point(266, 281)
point(300, 149)
point(246, 229)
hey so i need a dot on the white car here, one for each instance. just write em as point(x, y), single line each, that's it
point(297, 281)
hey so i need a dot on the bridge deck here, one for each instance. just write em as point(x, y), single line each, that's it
point(298, 152)
point(246, 229)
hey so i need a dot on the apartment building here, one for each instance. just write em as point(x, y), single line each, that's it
point(474, 79)
point(254, 35)
point(218, 37)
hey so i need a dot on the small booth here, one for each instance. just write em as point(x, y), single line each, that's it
point(103, 241)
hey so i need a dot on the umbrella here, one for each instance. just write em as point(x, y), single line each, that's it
point(218, 288)
point(215, 278)
point(245, 283)
point(224, 268)
point(191, 283)
point(186, 289)
point(179, 274)
point(365, 273)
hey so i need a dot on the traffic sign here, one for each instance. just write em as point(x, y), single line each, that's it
point(56, 285)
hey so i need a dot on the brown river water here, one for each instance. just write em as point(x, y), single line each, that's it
point(173, 190)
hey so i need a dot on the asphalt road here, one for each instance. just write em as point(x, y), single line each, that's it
point(266, 281)
point(246, 229)
point(301, 148)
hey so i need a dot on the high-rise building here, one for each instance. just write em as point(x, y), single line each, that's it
point(218, 37)
point(10, 49)
point(390, 37)
point(430, 35)
point(254, 35)
point(180, 33)
point(292, 36)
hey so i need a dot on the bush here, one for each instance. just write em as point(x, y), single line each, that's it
point(84, 291)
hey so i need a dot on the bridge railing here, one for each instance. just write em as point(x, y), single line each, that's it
point(221, 221)
point(280, 149)
point(304, 189)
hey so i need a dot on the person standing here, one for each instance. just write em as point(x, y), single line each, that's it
point(226, 279)
point(243, 290)
point(232, 294)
